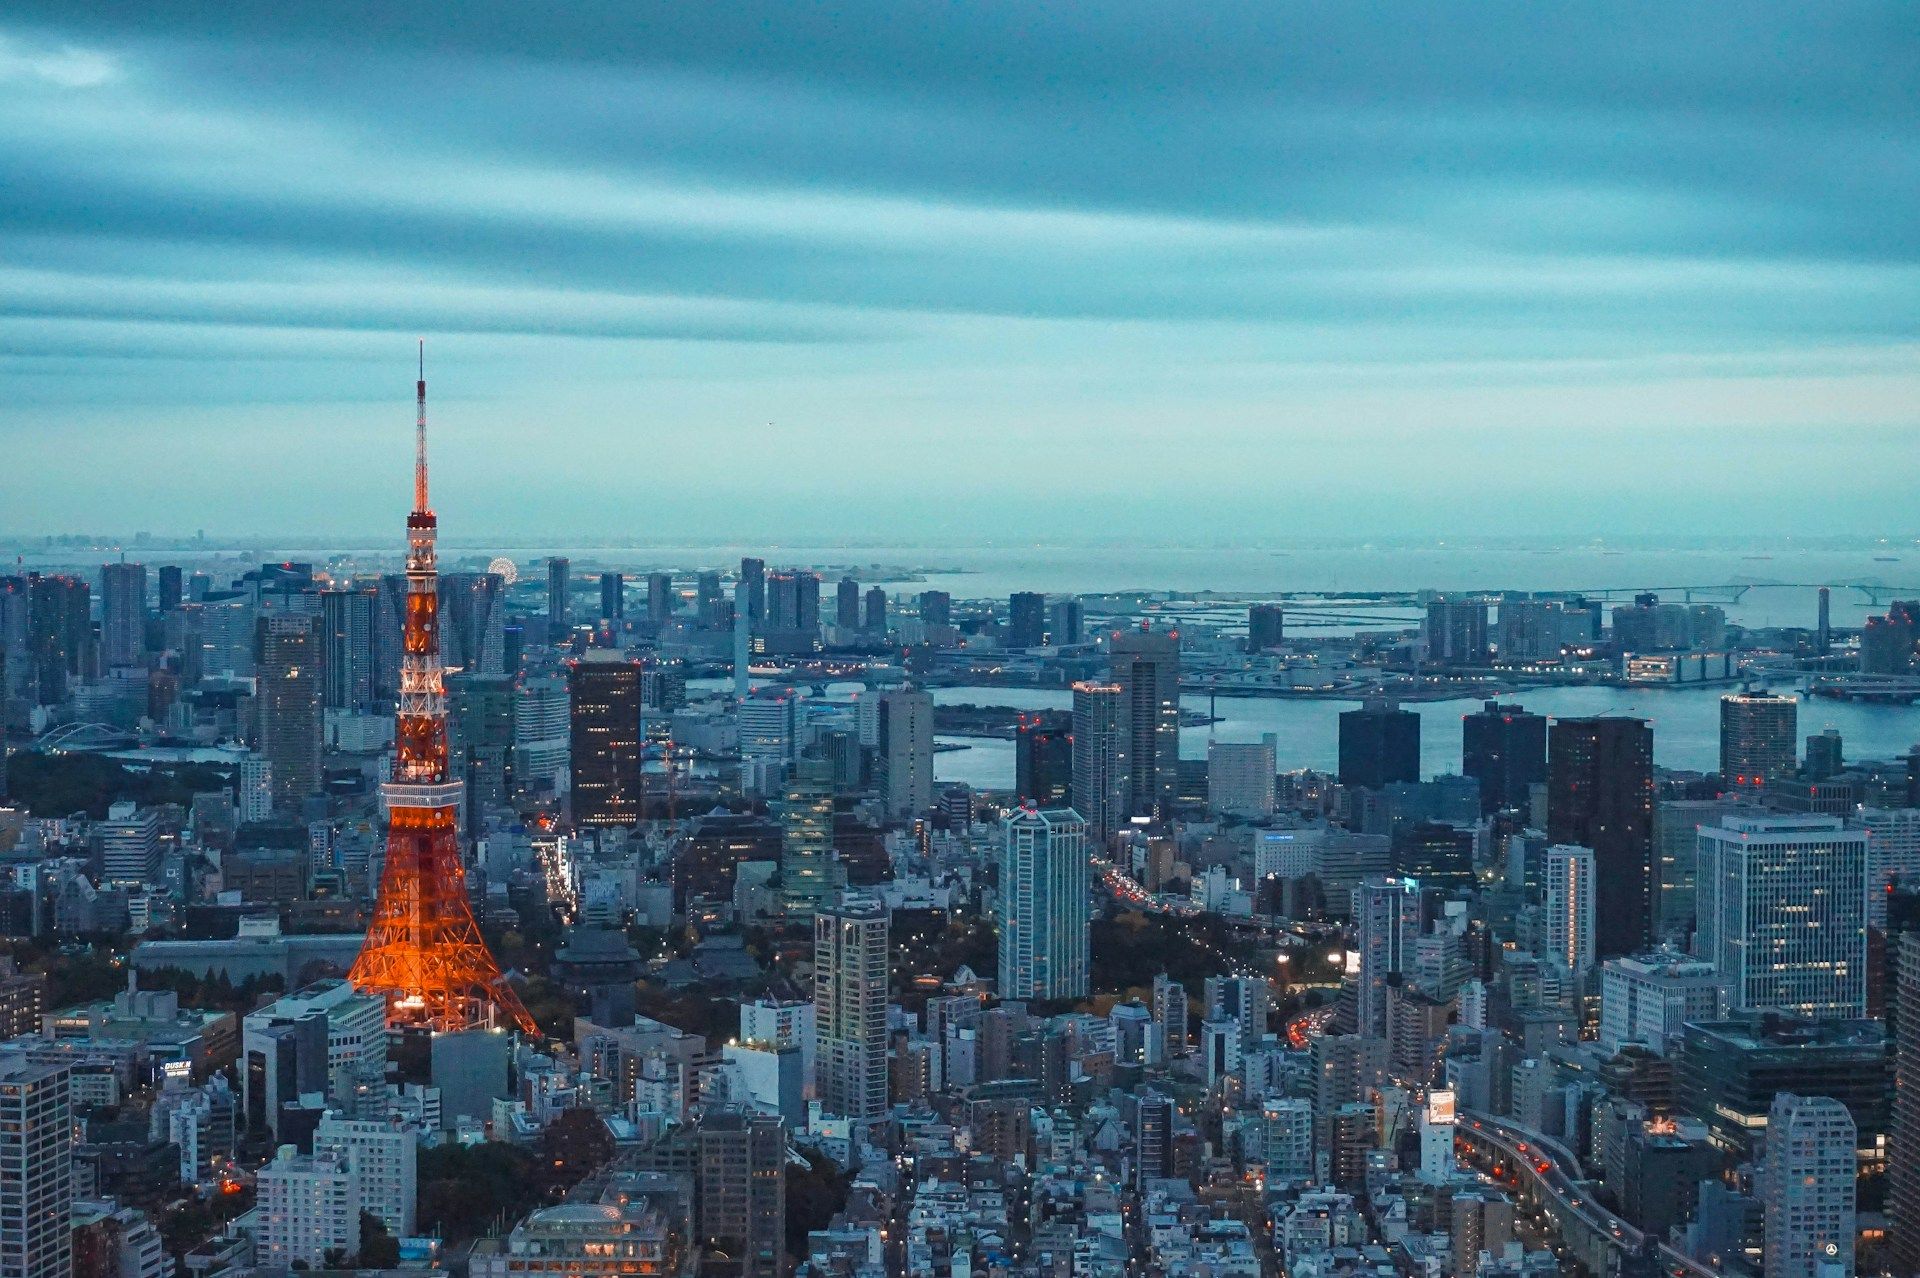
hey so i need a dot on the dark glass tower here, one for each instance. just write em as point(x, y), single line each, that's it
point(1504, 748)
point(1600, 796)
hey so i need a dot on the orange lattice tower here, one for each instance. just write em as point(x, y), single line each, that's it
point(424, 952)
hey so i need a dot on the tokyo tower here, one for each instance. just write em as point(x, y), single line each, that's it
point(424, 952)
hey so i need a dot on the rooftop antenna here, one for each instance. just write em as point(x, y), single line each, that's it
point(420, 436)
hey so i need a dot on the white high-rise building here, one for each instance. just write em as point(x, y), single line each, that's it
point(1045, 910)
point(1100, 757)
point(309, 1205)
point(255, 799)
point(1893, 853)
point(1243, 1002)
point(903, 762)
point(770, 727)
point(36, 1170)
point(782, 1025)
point(1649, 999)
point(850, 991)
point(130, 845)
point(1567, 918)
point(1241, 777)
point(542, 733)
point(1286, 1139)
point(1782, 913)
point(1807, 1188)
point(1386, 919)
point(383, 1156)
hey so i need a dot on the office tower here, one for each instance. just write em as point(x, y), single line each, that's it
point(1266, 627)
point(707, 597)
point(389, 625)
point(1782, 913)
point(660, 598)
point(130, 845)
point(1100, 757)
point(123, 614)
point(1650, 999)
point(1026, 619)
point(742, 1183)
point(480, 735)
point(542, 733)
point(1043, 760)
point(289, 706)
point(1241, 777)
point(1045, 905)
point(1066, 622)
point(1823, 623)
point(613, 596)
point(793, 602)
point(936, 607)
point(1170, 1016)
point(1504, 748)
point(903, 764)
point(346, 650)
point(1887, 643)
point(384, 1158)
point(1893, 856)
point(742, 631)
point(846, 604)
point(876, 619)
point(309, 1206)
point(1903, 1154)
point(1379, 743)
point(59, 627)
point(36, 1170)
point(1807, 1188)
point(753, 575)
point(473, 622)
point(1676, 849)
point(1456, 632)
point(1567, 916)
point(850, 992)
point(1600, 796)
point(1386, 921)
point(1146, 666)
point(424, 954)
point(559, 600)
point(1242, 1001)
point(168, 585)
point(769, 726)
point(1759, 738)
point(1826, 754)
point(809, 876)
point(604, 738)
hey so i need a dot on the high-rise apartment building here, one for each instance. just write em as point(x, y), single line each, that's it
point(876, 618)
point(169, 594)
point(1241, 777)
point(742, 1207)
point(604, 741)
point(1066, 622)
point(1266, 627)
point(291, 727)
point(123, 614)
point(1806, 1188)
point(1043, 760)
point(1102, 759)
point(309, 1205)
point(346, 650)
point(1456, 632)
point(1567, 914)
point(1045, 905)
point(613, 596)
point(850, 992)
point(1759, 738)
point(753, 576)
point(1600, 796)
point(1170, 1016)
point(809, 875)
point(846, 604)
point(903, 761)
point(1145, 664)
point(1504, 748)
point(1782, 914)
point(559, 599)
point(1386, 920)
point(384, 1157)
point(1379, 743)
point(36, 1169)
point(1026, 619)
point(936, 607)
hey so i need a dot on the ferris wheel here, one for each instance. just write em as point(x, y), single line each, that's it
point(504, 569)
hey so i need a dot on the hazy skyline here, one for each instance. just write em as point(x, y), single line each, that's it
point(924, 271)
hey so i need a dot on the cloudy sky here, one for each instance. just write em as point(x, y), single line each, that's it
point(944, 270)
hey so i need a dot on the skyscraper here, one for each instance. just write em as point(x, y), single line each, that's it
point(1266, 627)
point(660, 598)
point(904, 762)
point(613, 596)
point(1026, 619)
point(59, 629)
point(742, 1209)
point(1600, 796)
point(936, 607)
point(1903, 1154)
point(876, 619)
point(1100, 757)
point(1759, 738)
point(169, 588)
point(753, 575)
point(36, 1168)
point(289, 705)
point(559, 600)
point(604, 740)
point(1170, 1015)
point(1504, 748)
point(1456, 632)
point(346, 650)
point(1567, 916)
point(1386, 920)
point(1379, 743)
point(1045, 910)
point(123, 614)
point(1146, 666)
point(1782, 913)
point(1807, 1188)
point(808, 873)
point(850, 990)
point(846, 604)
point(1043, 760)
point(473, 622)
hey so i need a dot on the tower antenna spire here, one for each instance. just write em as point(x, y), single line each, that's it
point(420, 436)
